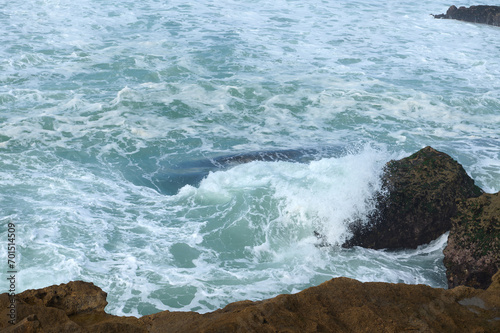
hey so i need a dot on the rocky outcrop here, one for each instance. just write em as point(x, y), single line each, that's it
point(417, 204)
point(472, 254)
point(72, 298)
point(476, 14)
point(71, 307)
point(338, 305)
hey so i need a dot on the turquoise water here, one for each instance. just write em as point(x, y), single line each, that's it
point(116, 118)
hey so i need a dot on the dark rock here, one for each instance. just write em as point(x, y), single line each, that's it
point(476, 14)
point(418, 202)
point(472, 255)
point(338, 305)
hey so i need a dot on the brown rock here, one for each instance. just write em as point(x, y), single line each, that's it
point(73, 297)
point(418, 203)
point(472, 255)
point(338, 305)
point(61, 308)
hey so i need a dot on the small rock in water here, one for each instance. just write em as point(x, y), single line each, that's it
point(476, 14)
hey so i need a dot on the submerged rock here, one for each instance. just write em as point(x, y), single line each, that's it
point(171, 178)
point(338, 305)
point(419, 200)
point(476, 14)
point(472, 254)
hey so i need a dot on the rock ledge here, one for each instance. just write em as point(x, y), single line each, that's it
point(338, 305)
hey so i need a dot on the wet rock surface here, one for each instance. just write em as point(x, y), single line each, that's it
point(476, 14)
point(338, 305)
point(419, 199)
point(472, 254)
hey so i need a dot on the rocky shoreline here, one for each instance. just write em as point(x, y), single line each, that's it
point(338, 305)
point(424, 195)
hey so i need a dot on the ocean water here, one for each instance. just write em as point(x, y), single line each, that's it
point(181, 155)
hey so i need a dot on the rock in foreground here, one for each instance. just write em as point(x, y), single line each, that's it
point(338, 305)
point(419, 201)
point(472, 254)
point(476, 14)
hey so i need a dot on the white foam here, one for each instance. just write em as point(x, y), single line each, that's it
point(96, 93)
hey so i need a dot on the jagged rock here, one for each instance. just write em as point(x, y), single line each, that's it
point(71, 307)
point(338, 305)
point(472, 254)
point(74, 297)
point(477, 14)
point(417, 204)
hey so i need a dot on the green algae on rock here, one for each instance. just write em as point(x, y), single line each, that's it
point(472, 255)
point(417, 203)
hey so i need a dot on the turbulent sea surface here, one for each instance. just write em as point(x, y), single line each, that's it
point(124, 127)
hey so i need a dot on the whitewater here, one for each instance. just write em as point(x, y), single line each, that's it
point(182, 155)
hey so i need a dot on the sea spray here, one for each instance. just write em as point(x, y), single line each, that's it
point(100, 101)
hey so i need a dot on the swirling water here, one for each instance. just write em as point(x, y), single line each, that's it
point(117, 117)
